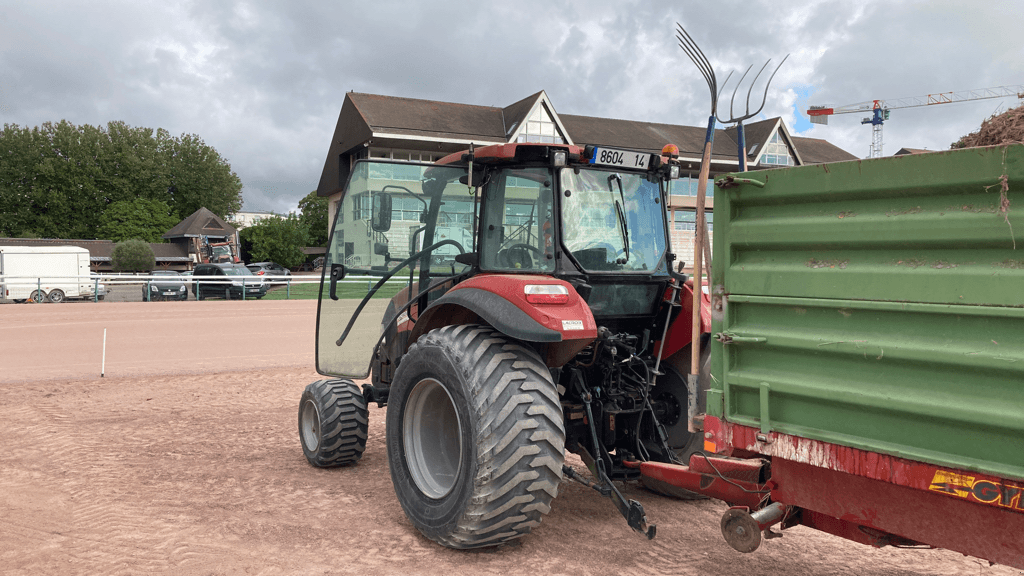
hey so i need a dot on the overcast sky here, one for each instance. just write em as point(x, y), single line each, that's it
point(263, 82)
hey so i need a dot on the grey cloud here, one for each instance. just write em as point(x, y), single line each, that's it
point(263, 81)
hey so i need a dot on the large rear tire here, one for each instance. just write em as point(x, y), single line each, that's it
point(475, 437)
point(333, 421)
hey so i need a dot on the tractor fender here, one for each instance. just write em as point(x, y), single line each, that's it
point(680, 332)
point(499, 301)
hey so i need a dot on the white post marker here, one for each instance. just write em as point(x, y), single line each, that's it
point(103, 363)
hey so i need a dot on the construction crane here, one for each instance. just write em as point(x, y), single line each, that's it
point(880, 108)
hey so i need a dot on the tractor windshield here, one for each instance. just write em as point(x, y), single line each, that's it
point(613, 221)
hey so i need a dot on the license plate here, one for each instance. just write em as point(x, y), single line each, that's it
point(621, 158)
point(170, 293)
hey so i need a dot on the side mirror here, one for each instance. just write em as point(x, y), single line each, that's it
point(380, 221)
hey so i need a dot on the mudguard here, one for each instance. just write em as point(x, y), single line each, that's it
point(500, 301)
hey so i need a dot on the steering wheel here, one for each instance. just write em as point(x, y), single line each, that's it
point(518, 255)
point(613, 252)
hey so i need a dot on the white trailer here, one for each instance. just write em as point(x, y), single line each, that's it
point(44, 273)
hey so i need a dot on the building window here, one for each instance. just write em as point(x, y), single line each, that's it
point(687, 186)
point(539, 127)
point(776, 153)
point(686, 220)
point(397, 171)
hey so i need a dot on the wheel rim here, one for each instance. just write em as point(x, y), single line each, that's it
point(432, 438)
point(56, 296)
point(310, 426)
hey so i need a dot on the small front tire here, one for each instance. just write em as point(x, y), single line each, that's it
point(333, 421)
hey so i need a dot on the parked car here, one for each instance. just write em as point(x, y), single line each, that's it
point(268, 270)
point(225, 280)
point(168, 285)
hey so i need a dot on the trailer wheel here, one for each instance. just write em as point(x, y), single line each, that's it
point(333, 420)
point(475, 437)
point(56, 296)
point(37, 296)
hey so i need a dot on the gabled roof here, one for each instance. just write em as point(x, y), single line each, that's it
point(388, 121)
point(202, 222)
point(755, 135)
point(648, 137)
point(818, 151)
point(905, 151)
point(516, 116)
point(390, 115)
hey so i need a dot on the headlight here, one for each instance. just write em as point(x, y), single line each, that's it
point(153, 287)
point(182, 289)
point(558, 158)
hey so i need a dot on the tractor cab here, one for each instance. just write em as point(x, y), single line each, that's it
point(407, 233)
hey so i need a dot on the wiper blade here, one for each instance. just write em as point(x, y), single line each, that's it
point(625, 232)
point(620, 212)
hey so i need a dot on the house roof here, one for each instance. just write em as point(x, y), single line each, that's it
point(202, 222)
point(904, 151)
point(514, 115)
point(818, 151)
point(429, 118)
point(390, 121)
point(648, 136)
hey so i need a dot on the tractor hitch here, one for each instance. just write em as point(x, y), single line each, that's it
point(631, 510)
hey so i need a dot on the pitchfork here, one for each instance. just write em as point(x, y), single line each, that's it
point(742, 142)
point(702, 248)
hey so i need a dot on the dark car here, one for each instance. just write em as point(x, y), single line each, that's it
point(269, 271)
point(165, 285)
point(226, 281)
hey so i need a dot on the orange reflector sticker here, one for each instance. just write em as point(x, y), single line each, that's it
point(710, 446)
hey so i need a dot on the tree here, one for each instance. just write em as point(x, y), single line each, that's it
point(139, 218)
point(276, 239)
point(200, 178)
point(132, 256)
point(313, 215)
point(57, 179)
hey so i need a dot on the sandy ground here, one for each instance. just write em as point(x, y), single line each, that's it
point(185, 459)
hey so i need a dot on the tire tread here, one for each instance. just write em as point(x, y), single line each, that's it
point(522, 437)
point(344, 421)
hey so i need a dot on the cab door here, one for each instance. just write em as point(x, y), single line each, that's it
point(399, 225)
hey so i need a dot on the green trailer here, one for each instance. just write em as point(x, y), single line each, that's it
point(868, 351)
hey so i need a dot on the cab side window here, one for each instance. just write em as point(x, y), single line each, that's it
point(518, 233)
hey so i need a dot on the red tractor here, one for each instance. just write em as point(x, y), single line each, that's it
point(554, 321)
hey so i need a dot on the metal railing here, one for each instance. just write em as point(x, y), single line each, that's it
point(121, 286)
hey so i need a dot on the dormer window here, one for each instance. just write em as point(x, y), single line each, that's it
point(776, 153)
point(539, 127)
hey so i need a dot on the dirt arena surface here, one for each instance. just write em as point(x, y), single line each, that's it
point(185, 459)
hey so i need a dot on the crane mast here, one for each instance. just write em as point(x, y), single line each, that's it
point(880, 108)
